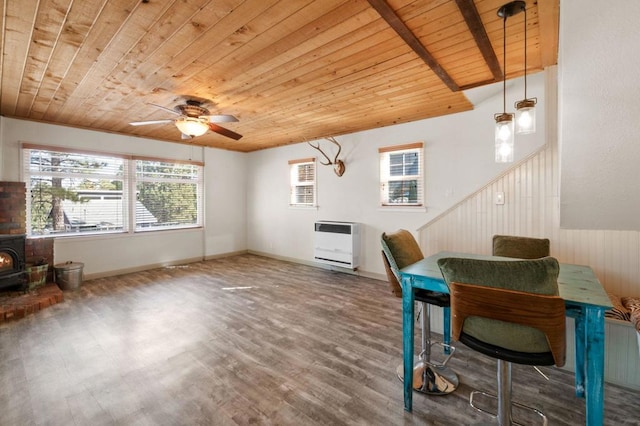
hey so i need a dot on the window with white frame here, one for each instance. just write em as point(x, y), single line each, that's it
point(401, 175)
point(303, 182)
point(170, 192)
point(75, 193)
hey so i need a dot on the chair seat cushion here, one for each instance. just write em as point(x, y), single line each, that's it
point(525, 358)
point(509, 336)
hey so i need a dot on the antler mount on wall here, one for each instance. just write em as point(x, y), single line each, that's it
point(338, 165)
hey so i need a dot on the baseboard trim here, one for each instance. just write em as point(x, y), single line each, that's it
point(140, 268)
point(115, 272)
point(223, 255)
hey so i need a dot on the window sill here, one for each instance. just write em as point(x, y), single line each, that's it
point(404, 209)
point(115, 234)
point(295, 207)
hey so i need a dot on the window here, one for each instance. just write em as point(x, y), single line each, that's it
point(401, 180)
point(167, 194)
point(81, 192)
point(303, 182)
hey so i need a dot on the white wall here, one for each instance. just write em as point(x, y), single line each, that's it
point(225, 204)
point(459, 159)
point(599, 60)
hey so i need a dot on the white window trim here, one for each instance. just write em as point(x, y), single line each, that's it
point(128, 190)
point(384, 154)
point(134, 180)
point(294, 183)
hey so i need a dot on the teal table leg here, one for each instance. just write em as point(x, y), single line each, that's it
point(595, 366)
point(580, 345)
point(446, 333)
point(407, 341)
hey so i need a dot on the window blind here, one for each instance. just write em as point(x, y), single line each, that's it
point(81, 192)
point(303, 182)
point(401, 175)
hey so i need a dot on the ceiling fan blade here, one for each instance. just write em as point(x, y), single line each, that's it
point(144, 123)
point(221, 118)
point(224, 132)
point(166, 109)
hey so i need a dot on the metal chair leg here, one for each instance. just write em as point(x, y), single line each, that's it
point(504, 393)
point(504, 415)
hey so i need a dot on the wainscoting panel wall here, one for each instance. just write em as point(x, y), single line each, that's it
point(532, 208)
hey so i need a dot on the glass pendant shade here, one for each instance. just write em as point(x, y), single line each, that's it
point(504, 134)
point(192, 126)
point(526, 116)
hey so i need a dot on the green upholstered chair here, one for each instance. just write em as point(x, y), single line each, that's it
point(520, 247)
point(400, 249)
point(509, 310)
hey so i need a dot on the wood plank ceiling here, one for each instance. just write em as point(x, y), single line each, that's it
point(289, 70)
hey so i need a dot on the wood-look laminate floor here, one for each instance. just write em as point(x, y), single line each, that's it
point(244, 340)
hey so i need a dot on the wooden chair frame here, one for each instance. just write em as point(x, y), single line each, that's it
point(543, 312)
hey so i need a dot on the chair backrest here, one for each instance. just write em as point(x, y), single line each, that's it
point(508, 304)
point(394, 284)
point(399, 249)
point(544, 313)
point(520, 247)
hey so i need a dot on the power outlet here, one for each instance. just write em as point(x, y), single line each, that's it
point(499, 198)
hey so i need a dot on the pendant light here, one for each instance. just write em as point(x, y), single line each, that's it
point(526, 108)
point(504, 132)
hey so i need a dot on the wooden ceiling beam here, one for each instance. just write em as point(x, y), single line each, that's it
point(394, 21)
point(474, 22)
point(548, 18)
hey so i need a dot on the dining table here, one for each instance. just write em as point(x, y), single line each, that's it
point(585, 301)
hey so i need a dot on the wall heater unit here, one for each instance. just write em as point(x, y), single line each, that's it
point(337, 244)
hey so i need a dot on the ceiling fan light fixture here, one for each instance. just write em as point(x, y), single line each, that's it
point(194, 120)
point(192, 126)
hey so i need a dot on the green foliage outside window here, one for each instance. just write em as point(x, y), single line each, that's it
point(75, 193)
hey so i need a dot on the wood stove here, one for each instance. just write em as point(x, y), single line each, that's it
point(12, 261)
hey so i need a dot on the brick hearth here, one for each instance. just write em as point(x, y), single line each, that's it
point(16, 305)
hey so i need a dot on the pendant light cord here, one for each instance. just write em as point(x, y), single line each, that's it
point(525, 53)
point(504, 64)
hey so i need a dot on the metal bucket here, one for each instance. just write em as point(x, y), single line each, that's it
point(68, 275)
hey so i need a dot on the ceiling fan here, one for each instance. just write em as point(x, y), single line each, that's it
point(194, 120)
